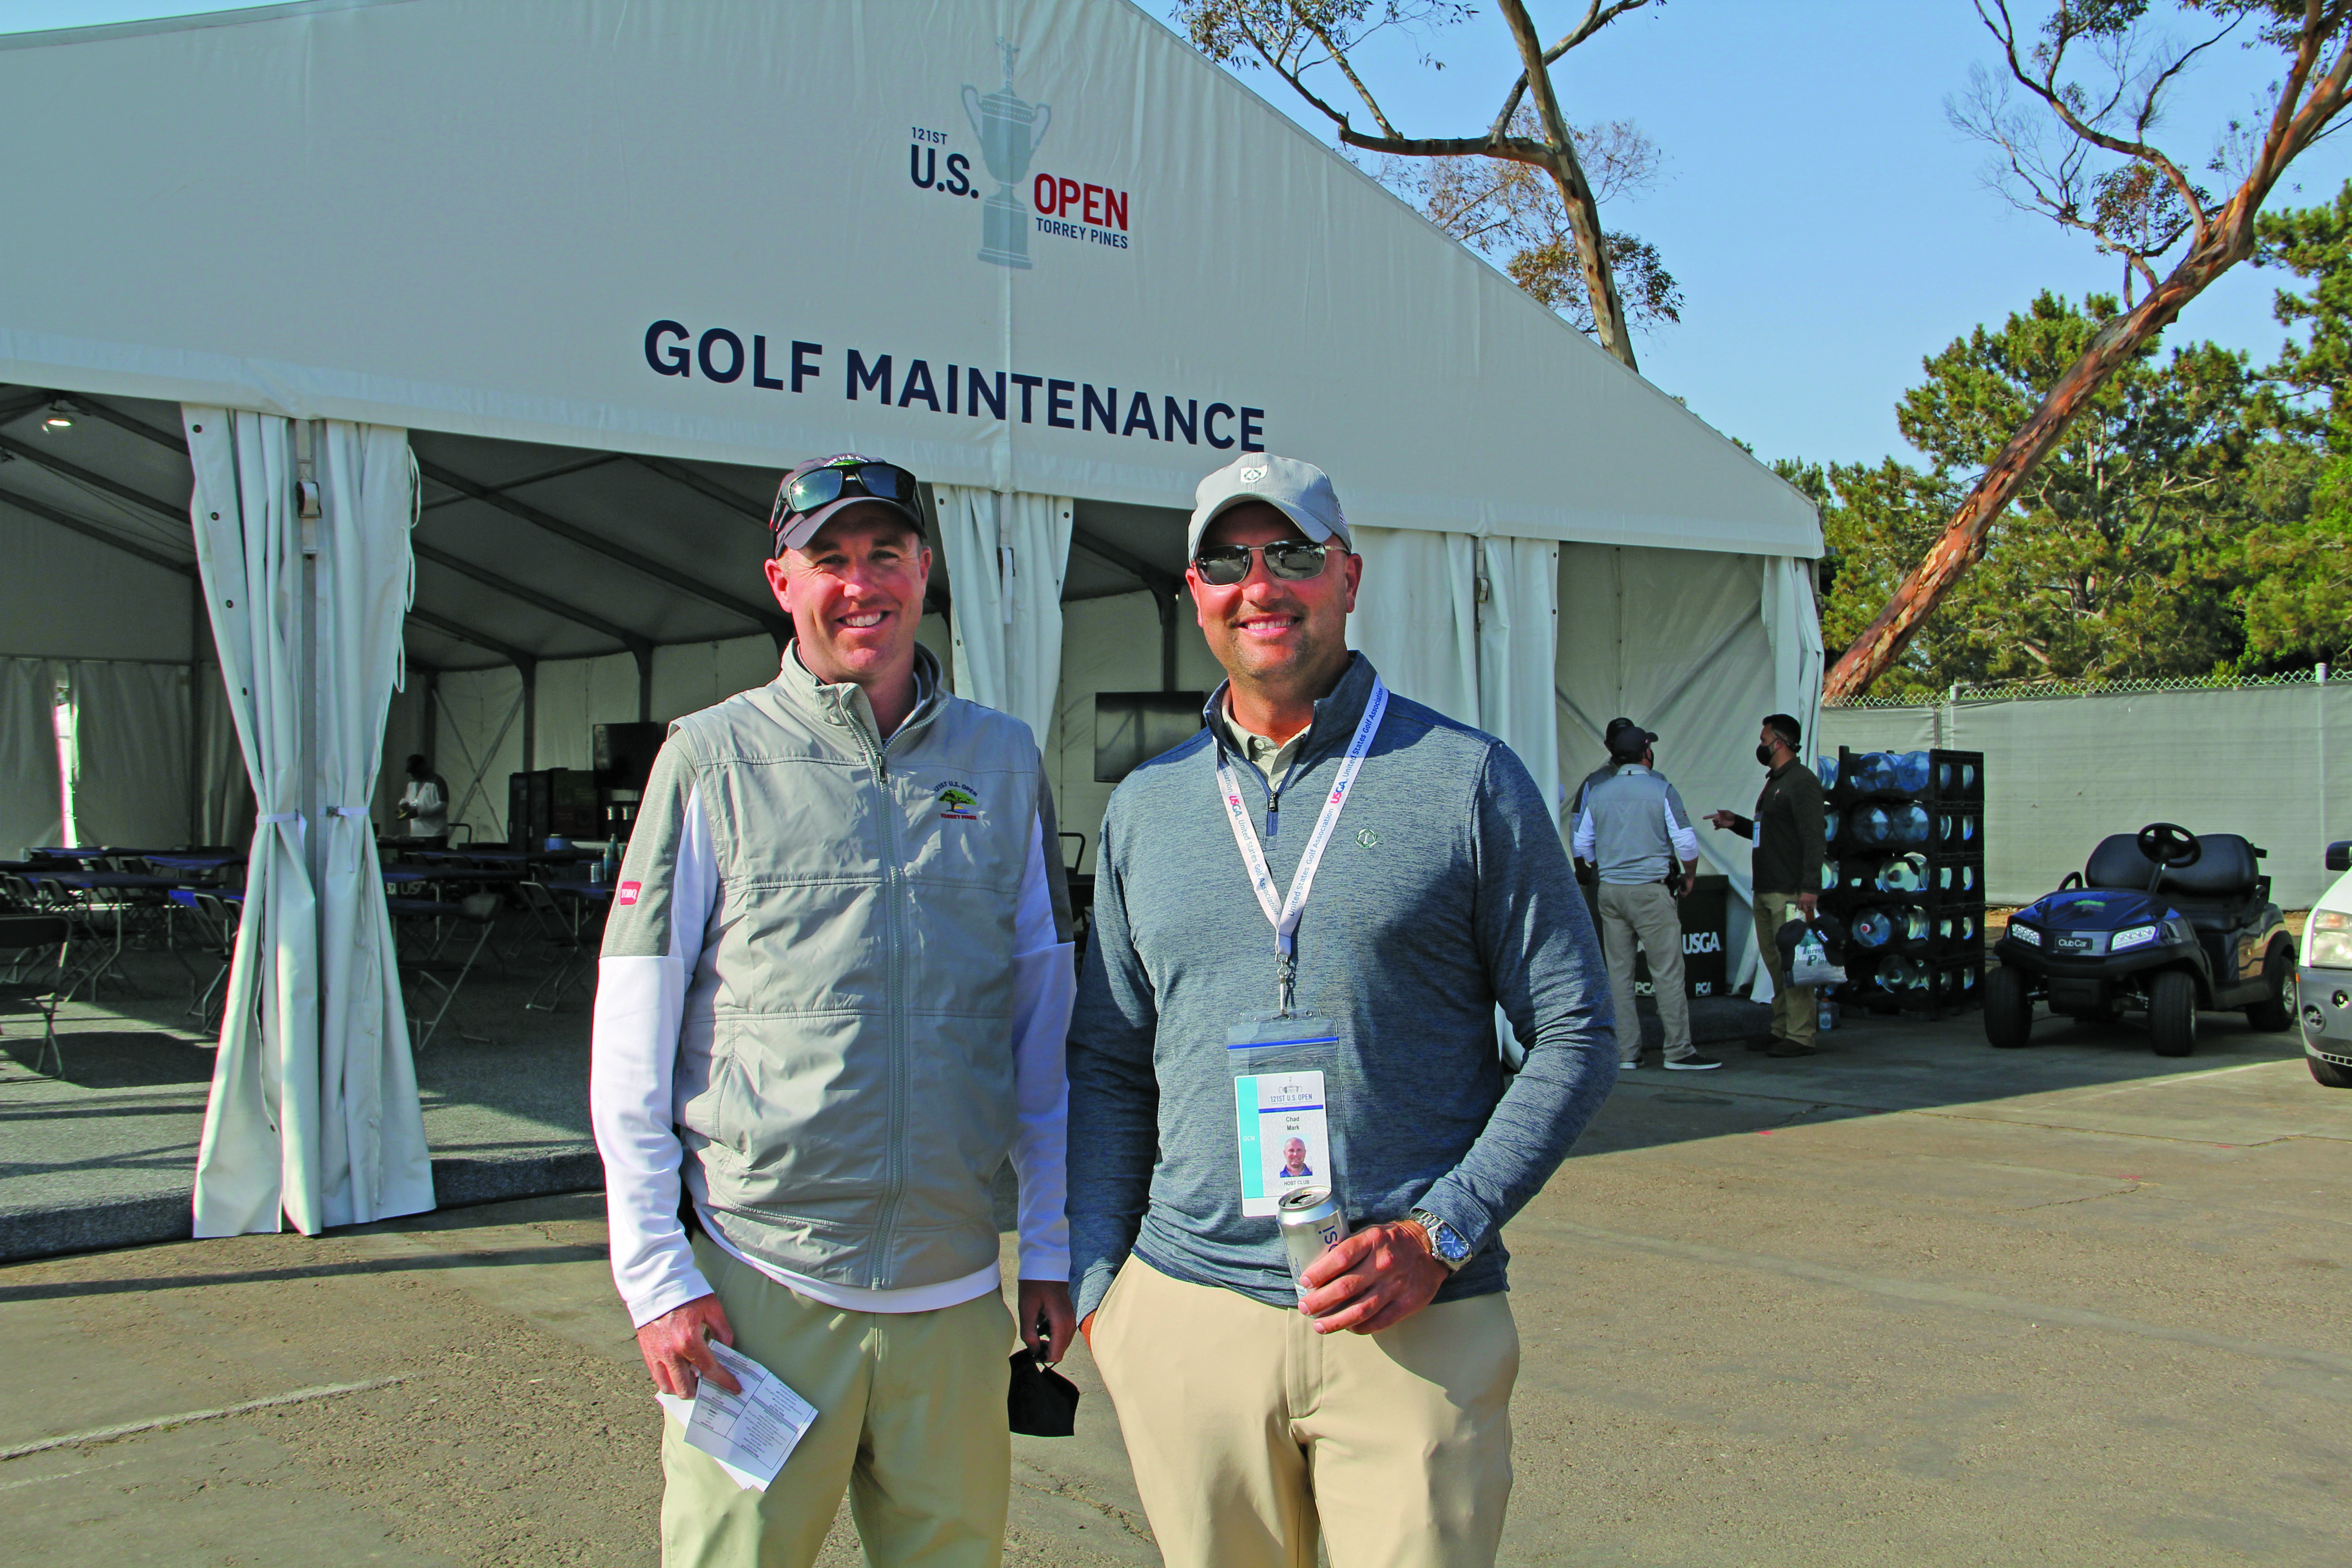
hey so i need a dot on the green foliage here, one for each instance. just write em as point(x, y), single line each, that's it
point(2297, 597)
point(2128, 553)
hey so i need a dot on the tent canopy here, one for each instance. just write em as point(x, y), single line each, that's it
point(1041, 247)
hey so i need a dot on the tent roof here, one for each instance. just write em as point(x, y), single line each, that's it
point(475, 220)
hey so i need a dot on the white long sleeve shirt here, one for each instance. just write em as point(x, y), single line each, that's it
point(633, 1104)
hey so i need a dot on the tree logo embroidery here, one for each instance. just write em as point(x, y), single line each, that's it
point(956, 803)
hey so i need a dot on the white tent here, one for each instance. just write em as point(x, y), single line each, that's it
point(612, 263)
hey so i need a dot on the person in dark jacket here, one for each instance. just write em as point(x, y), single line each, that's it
point(1786, 871)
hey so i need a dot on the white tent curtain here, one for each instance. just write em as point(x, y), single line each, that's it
point(1793, 626)
point(1007, 557)
point(1519, 640)
point(313, 1110)
point(28, 756)
point(130, 746)
point(225, 791)
point(1417, 616)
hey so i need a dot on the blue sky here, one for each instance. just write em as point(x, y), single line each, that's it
point(1827, 224)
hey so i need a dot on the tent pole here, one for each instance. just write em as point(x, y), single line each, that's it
point(529, 672)
point(307, 716)
point(199, 631)
point(644, 654)
point(1165, 602)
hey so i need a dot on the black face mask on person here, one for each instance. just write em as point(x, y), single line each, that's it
point(1764, 755)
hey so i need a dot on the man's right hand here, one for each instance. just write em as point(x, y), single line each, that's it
point(1725, 820)
point(676, 1347)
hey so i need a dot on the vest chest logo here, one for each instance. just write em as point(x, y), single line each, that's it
point(1367, 837)
point(957, 802)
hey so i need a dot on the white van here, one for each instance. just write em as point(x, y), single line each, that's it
point(2323, 980)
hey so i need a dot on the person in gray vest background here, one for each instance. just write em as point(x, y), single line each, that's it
point(1397, 875)
point(833, 998)
point(1636, 836)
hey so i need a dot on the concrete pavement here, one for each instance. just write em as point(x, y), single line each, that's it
point(1910, 1301)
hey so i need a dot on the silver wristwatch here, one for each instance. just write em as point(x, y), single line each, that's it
point(1445, 1241)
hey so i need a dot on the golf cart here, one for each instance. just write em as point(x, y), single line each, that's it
point(2167, 921)
point(2324, 984)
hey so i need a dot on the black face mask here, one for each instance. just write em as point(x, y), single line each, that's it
point(1764, 755)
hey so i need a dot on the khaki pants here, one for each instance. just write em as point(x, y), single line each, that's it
point(1247, 1430)
point(1645, 912)
point(910, 1420)
point(1794, 1015)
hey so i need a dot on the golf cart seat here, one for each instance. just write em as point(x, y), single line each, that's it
point(2214, 891)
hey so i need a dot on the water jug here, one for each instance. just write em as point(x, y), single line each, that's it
point(1830, 825)
point(1901, 874)
point(1874, 774)
point(1911, 924)
point(1826, 767)
point(1967, 827)
point(1869, 827)
point(1910, 824)
point(1872, 928)
point(1944, 778)
point(1898, 973)
point(1829, 875)
point(1911, 773)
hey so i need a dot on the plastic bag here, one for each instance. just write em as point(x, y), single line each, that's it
point(1811, 950)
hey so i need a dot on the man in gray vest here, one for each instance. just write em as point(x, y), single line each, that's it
point(1635, 834)
point(1366, 1400)
point(833, 998)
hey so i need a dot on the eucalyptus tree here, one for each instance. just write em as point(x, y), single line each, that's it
point(1551, 240)
point(2079, 146)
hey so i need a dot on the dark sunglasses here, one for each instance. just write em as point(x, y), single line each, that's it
point(1292, 560)
point(820, 487)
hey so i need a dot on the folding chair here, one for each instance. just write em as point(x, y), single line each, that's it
point(28, 977)
point(481, 909)
point(563, 936)
point(216, 914)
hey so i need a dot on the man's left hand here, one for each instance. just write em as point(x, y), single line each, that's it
point(1377, 1278)
point(1048, 1299)
point(1806, 903)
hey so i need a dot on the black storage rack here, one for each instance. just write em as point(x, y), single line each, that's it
point(1947, 914)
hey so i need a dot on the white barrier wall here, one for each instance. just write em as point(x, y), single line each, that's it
point(2062, 773)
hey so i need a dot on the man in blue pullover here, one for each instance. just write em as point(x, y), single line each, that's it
point(1418, 884)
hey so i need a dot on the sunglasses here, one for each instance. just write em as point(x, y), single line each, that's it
point(1292, 560)
point(819, 487)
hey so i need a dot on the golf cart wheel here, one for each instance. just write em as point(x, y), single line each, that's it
point(2273, 1013)
point(2007, 1008)
point(2328, 1073)
point(2173, 1013)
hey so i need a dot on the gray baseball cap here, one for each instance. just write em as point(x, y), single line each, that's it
point(1300, 491)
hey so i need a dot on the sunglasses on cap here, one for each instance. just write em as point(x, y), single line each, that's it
point(1292, 560)
point(852, 478)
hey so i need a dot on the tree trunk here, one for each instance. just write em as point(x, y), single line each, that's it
point(1575, 193)
point(1963, 540)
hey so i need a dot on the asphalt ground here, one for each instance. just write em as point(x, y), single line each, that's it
point(1909, 1300)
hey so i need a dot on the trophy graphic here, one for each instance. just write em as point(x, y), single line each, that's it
point(1009, 131)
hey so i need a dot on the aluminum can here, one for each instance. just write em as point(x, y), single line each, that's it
point(1312, 1225)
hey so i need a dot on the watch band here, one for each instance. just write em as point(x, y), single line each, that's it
point(1446, 1243)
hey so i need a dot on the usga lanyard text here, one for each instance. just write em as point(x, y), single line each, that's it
point(1284, 917)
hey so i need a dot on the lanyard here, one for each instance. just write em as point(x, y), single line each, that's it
point(1284, 917)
